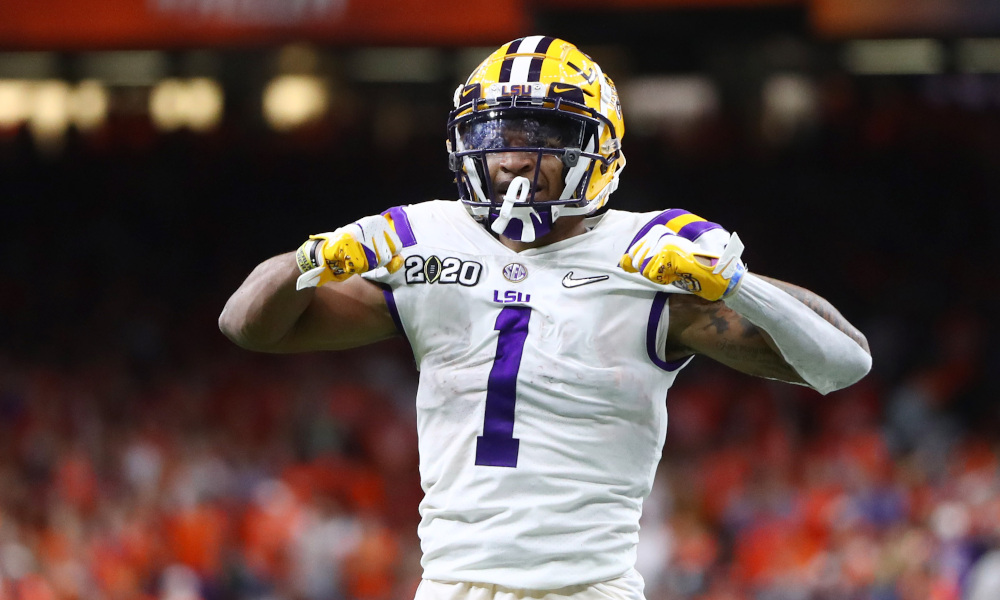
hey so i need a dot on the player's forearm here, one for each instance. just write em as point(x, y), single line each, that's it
point(823, 348)
point(823, 308)
point(266, 307)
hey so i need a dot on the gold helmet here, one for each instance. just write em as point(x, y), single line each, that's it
point(560, 103)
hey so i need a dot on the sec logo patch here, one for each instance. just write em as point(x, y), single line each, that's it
point(515, 272)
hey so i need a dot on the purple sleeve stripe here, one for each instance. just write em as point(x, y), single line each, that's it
point(655, 314)
point(390, 301)
point(402, 225)
point(660, 219)
point(693, 231)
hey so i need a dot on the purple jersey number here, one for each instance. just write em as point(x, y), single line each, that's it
point(497, 447)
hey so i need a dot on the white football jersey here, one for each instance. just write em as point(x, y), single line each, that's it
point(541, 406)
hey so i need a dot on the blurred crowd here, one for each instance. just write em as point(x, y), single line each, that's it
point(144, 456)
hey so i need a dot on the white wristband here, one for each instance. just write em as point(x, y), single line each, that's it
point(824, 356)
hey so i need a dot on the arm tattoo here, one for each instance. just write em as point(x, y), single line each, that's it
point(718, 322)
point(822, 308)
point(722, 319)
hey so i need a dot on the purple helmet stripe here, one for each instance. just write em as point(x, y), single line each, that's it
point(508, 62)
point(505, 69)
point(655, 314)
point(535, 69)
point(543, 44)
point(660, 219)
point(402, 225)
point(693, 231)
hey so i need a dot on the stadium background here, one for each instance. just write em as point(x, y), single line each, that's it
point(152, 152)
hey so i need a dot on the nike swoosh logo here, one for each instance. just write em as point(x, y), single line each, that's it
point(569, 282)
point(562, 89)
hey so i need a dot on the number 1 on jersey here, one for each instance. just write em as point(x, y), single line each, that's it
point(497, 447)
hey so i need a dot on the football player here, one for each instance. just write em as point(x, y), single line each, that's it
point(547, 329)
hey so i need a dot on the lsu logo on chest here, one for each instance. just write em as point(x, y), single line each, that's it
point(510, 297)
point(442, 270)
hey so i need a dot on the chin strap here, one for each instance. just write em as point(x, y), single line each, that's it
point(517, 193)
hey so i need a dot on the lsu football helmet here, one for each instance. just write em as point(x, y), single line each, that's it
point(542, 96)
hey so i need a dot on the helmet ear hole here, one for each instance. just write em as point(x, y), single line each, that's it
point(571, 157)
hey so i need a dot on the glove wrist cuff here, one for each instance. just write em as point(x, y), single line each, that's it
point(309, 256)
point(735, 282)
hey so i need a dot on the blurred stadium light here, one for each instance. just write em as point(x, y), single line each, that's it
point(672, 103)
point(50, 106)
point(29, 65)
point(167, 104)
point(293, 100)
point(789, 102)
point(205, 101)
point(888, 57)
point(978, 55)
point(195, 103)
point(124, 67)
point(88, 105)
point(48, 117)
point(14, 100)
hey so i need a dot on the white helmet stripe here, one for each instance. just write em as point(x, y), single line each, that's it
point(519, 71)
point(529, 44)
point(526, 68)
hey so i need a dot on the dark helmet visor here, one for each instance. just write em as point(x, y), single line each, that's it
point(501, 131)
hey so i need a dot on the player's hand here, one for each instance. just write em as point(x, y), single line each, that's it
point(366, 244)
point(667, 258)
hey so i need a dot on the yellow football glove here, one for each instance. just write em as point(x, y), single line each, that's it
point(666, 258)
point(366, 244)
